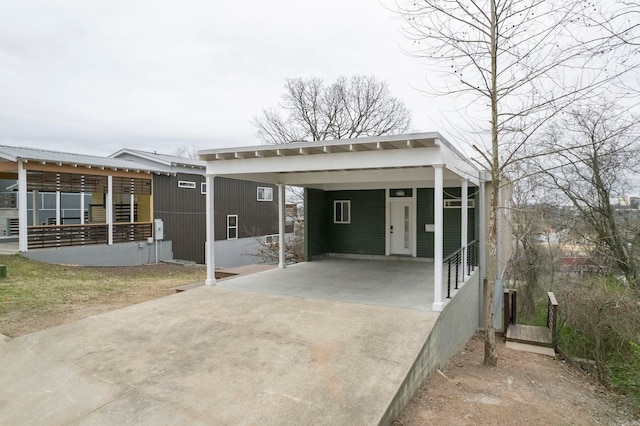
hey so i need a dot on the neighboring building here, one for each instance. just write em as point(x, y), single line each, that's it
point(404, 195)
point(84, 209)
point(245, 210)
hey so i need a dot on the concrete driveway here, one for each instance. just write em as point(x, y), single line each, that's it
point(213, 356)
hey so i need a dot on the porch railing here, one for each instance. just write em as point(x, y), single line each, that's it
point(132, 231)
point(459, 264)
point(47, 236)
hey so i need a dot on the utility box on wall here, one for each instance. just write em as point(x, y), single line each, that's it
point(158, 229)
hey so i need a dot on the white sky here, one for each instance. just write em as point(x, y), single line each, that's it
point(97, 76)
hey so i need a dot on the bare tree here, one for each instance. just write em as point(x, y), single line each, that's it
point(185, 151)
point(348, 108)
point(596, 153)
point(521, 61)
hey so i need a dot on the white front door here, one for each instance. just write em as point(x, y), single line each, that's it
point(401, 234)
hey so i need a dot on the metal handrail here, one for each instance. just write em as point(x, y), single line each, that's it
point(464, 260)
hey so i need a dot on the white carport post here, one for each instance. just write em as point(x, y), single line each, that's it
point(464, 226)
point(210, 251)
point(22, 207)
point(281, 225)
point(58, 208)
point(437, 238)
point(109, 209)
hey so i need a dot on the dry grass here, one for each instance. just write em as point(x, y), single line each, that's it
point(37, 295)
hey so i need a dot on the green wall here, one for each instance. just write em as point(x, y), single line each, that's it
point(366, 232)
point(315, 230)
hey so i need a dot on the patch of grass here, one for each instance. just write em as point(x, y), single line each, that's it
point(35, 290)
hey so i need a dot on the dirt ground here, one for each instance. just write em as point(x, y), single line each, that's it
point(525, 389)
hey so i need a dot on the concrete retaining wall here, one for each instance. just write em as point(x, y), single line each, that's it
point(239, 252)
point(456, 324)
point(121, 254)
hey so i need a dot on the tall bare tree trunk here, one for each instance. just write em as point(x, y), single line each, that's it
point(490, 349)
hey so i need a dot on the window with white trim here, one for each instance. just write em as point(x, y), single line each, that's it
point(342, 211)
point(265, 193)
point(203, 187)
point(232, 227)
point(271, 239)
point(456, 203)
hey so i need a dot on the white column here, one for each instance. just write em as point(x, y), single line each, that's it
point(132, 207)
point(58, 203)
point(437, 238)
point(210, 255)
point(22, 208)
point(464, 226)
point(82, 208)
point(109, 209)
point(281, 224)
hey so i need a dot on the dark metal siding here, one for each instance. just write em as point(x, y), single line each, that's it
point(240, 197)
point(315, 223)
point(366, 232)
point(183, 212)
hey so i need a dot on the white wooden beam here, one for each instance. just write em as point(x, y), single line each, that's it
point(109, 209)
point(22, 208)
point(210, 251)
point(437, 238)
point(282, 263)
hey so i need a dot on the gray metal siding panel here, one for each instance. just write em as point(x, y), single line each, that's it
point(366, 232)
point(239, 197)
point(183, 212)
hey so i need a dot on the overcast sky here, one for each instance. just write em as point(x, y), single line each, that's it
point(97, 76)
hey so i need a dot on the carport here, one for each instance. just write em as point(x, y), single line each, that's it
point(371, 199)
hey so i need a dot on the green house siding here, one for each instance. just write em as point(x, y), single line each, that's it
point(365, 234)
point(451, 222)
point(425, 217)
point(315, 223)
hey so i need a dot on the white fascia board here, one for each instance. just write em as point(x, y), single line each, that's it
point(272, 178)
point(358, 176)
point(460, 166)
point(347, 186)
point(328, 162)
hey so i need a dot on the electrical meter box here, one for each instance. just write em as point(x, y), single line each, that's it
point(158, 229)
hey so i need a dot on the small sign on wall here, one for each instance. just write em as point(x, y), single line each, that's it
point(186, 184)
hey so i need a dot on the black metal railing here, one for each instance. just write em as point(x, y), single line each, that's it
point(459, 264)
